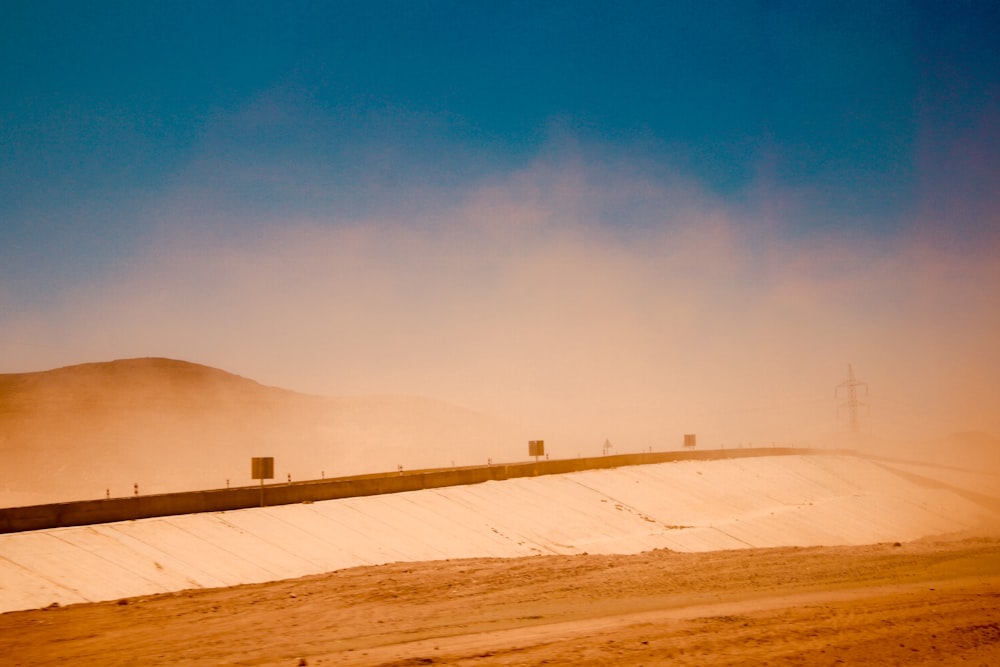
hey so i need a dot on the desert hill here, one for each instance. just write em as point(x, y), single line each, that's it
point(81, 431)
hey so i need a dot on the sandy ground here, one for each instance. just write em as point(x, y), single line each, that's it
point(928, 602)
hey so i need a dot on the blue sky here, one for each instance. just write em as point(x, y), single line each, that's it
point(143, 144)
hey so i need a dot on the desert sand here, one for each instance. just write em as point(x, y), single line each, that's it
point(926, 602)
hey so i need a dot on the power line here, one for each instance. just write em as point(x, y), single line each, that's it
point(852, 403)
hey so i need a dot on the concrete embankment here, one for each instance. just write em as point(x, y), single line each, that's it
point(86, 512)
point(689, 505)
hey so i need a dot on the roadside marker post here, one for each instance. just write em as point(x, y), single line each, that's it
point(262, 467)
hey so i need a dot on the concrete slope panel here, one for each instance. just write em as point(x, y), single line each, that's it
point(23, 588)
point(684, 506)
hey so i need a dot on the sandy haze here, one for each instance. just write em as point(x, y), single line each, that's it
point(518, 298)
point(85, 431)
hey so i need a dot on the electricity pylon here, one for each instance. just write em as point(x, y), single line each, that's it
point(852, 403)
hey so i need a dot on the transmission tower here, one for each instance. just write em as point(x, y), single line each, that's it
point(852, 403)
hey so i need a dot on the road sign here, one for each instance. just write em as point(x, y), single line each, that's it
point(262, 467)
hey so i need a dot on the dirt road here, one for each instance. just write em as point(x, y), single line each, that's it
point(919, 603)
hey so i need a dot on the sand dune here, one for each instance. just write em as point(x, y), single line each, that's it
point(83, 431)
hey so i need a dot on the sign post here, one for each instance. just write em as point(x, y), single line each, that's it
point(536, 448)
point(262, 467)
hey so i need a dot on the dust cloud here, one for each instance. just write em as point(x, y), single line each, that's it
point(584, 302)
